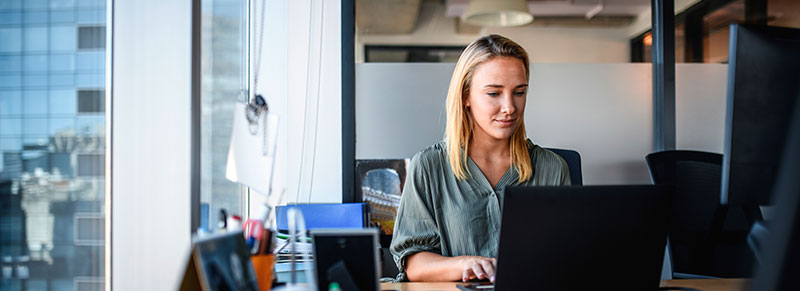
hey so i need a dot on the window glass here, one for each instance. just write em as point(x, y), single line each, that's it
point(35, 62)
point(90, 80)
point(12, 40)
point(91, 37)
point(63, 62)
point(63, 102)
point(36, 17)
point(90, 16)
point(91, 101)
point(10, 4)
point(35, 102)
point(35, 39)
point(224, 68)
point(10, 63)
point(62, 80)
point(90, 61)
point(10, 103)
point(10, 126)
point(13, 17)
point(43, 150)
point(10, 81)
point(62, 38)
point(60, 16)
point(55, 4)
point(34, 80)
point(35, 4)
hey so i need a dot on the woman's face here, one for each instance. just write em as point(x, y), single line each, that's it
point(496, 98)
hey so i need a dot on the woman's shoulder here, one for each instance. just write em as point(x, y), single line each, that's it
point(433, 154)
point(542, 157)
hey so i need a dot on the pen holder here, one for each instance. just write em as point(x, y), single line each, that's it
point(263, 265)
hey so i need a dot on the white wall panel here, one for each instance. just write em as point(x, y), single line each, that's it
point(604, 111)
point(151, 144)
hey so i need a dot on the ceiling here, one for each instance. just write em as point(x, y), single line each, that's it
point(401, 16)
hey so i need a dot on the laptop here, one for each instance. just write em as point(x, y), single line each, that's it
point(581, 238)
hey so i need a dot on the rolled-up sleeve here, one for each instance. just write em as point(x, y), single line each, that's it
point(415, 229)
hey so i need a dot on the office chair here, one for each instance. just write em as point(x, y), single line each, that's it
point(573, 159)
point(706, 240)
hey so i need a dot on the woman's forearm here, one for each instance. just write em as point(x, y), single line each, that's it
point(426, 266)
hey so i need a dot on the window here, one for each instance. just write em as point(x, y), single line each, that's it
point(91, 101)
point(92, 37)
point(52, 174)
point(225, 81)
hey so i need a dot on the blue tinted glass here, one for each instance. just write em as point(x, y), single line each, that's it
point(11, 4)
point(90, 61)
point(31, 140)
point(35, 4)
point(7, 18)
point(35, 63)
point(90, 80)
point(35, 39)
point(62, 38)
point(91, 3)
point(93, 16)
point(62, 80)
point(38, 80)
point(63, 102)
point(10, 144)
point(62, 16)
point(35, 17)
point(56, 4)
point(12, 40)
point(10, 126)
point(10, 63)
point(10, 103)
point(61, 125)
point(10, 81)
point(62, 62)
point(34, 126)
point(88, 124)
point(34, 102)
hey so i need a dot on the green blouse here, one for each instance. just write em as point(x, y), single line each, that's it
point(440, 214)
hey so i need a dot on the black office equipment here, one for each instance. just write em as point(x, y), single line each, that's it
point(572, 238)
point(705, 239)
point(348, 257)
point(763, 80)
point(781, 250)
point(573, 159)
point(220, 262)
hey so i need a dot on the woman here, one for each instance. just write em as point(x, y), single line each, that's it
point(448, 223)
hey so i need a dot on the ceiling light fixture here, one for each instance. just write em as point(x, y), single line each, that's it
point(497, 13)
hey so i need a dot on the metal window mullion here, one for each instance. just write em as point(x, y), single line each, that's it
point(663, 23)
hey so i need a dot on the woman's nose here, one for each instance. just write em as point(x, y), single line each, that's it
point(507, 105)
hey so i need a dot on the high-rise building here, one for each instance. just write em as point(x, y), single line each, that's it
point(52, 143)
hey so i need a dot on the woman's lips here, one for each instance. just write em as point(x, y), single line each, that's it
point(505, 122)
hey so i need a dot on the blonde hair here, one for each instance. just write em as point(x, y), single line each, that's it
point(459, 121)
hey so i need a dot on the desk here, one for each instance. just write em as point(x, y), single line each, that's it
point(701, 284)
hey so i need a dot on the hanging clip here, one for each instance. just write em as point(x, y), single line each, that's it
point(255, 111)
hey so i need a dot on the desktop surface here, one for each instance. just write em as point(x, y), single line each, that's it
point(700, 284)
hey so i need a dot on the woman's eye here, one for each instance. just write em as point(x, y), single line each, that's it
point(520, 93)
point(493, 94)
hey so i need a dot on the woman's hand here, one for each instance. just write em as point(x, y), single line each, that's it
point(475, 267)
point(432, 267)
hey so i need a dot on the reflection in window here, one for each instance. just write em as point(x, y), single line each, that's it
point(52, 157)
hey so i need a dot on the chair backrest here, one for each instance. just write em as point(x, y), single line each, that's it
point(697, 243)
point(327, 215)
point(573, 159)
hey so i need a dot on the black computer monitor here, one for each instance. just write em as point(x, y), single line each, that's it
point(781, 249)
point(763, 79)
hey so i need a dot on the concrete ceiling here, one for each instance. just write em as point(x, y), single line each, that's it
point(566, 8)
